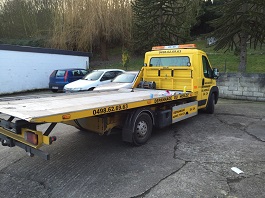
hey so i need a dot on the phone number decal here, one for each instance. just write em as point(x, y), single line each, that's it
point(110, 109)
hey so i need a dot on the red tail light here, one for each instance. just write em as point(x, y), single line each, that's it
point(65, 76)
point(31, 138)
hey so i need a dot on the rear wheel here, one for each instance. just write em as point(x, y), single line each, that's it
point(142, 129)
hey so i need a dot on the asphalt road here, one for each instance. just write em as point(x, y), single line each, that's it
point(189, 159)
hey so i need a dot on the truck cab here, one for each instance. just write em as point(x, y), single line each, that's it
point(182, 68)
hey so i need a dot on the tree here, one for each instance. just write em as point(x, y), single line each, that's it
point(25, 18)
point(242, 21)
point(162, 22)
point(207, 14)
point(82, 24)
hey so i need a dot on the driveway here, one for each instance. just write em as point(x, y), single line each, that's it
point(192, 158)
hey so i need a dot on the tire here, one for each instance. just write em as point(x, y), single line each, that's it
point(210, 105)
point(142, 129)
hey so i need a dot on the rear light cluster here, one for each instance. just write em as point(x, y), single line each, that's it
point(65, 76)
point(31, 137)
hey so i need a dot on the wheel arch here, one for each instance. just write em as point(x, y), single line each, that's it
point(91, 88)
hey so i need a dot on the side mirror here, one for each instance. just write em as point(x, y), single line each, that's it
point(215, 73)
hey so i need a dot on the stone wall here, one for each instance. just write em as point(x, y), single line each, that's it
point(242, 86)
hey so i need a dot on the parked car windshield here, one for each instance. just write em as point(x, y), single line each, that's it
point(94, 75)
point(124, 78)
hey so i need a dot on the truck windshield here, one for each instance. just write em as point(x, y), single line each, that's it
point(170, 61)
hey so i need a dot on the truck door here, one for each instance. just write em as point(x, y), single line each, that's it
point(207, 80)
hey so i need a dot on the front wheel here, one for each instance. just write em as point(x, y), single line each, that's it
point(210, 105)
point(142, 129)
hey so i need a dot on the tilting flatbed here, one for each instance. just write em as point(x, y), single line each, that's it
point(77, 105)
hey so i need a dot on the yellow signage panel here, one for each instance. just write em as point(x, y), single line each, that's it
point(184, 111)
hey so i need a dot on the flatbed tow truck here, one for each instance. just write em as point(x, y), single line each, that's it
point(175, 82)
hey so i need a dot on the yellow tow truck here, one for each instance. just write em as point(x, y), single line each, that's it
point(174, 83)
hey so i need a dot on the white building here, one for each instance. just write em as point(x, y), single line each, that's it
point(28, 68)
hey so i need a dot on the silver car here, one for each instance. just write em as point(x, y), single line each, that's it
point(124, 80)
point(92, 80)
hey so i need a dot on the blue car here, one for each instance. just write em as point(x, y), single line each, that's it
point(59, 78)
